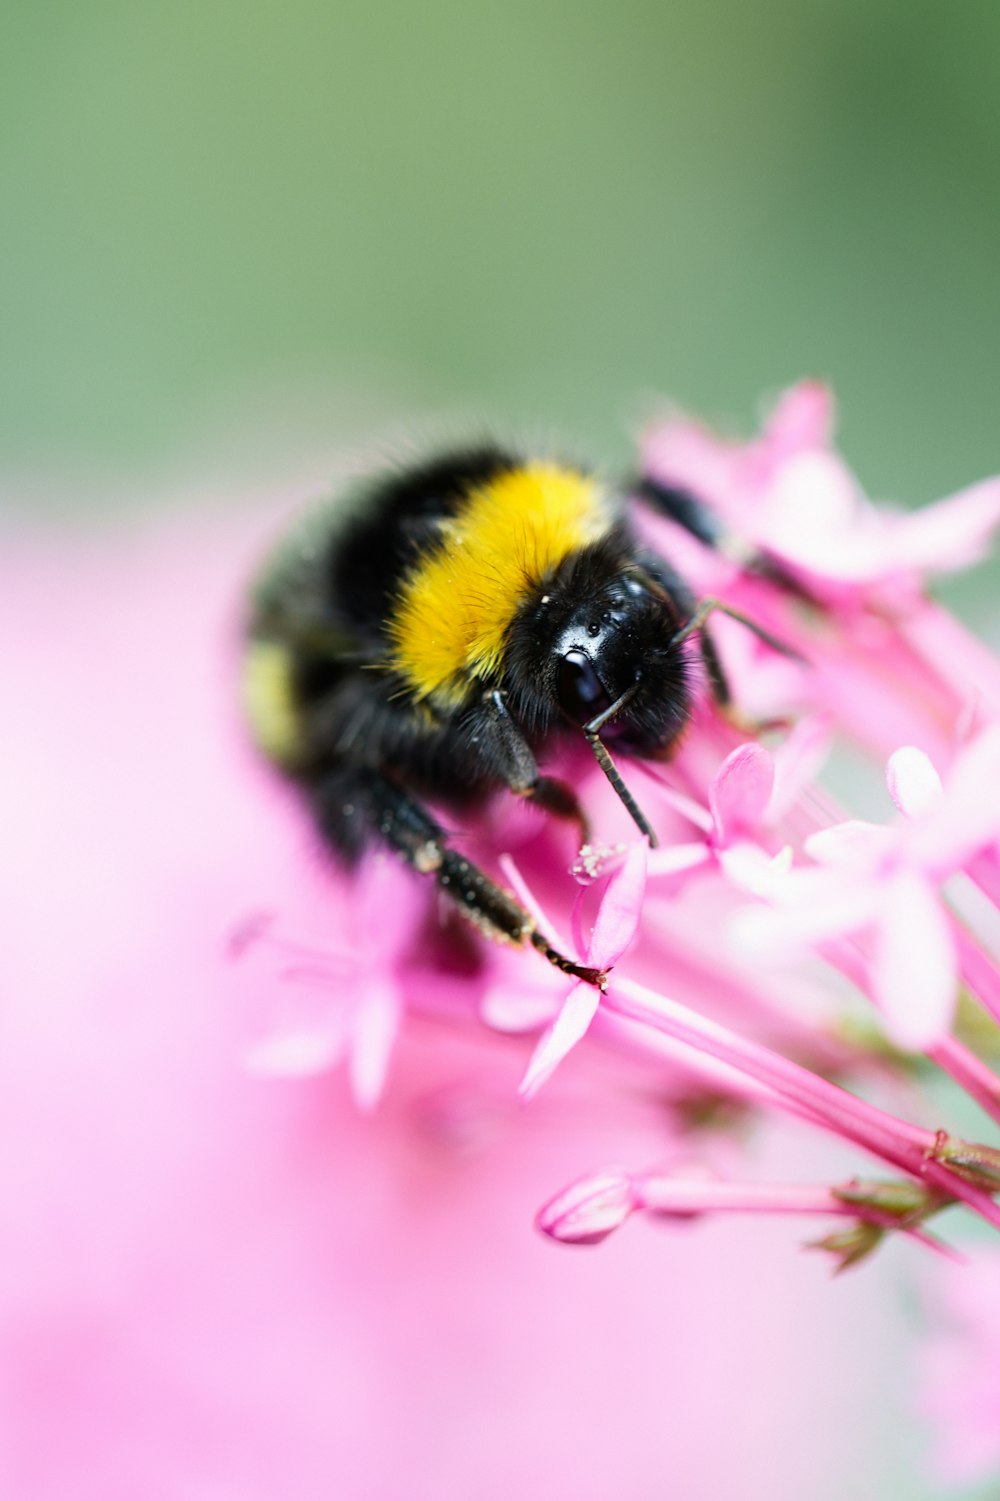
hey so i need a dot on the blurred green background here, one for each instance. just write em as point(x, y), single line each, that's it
point(237, 232)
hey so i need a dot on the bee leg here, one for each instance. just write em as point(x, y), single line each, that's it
point(499, 916)
point(500, 744)
point(685, 509)
point(711, 606)
point(717, 681)
point(403, 824)
point(695, 617)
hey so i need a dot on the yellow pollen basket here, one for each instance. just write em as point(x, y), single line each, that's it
point(269, 701)
point(454, 610)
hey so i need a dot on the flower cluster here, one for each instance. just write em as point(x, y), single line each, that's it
point(772, 953)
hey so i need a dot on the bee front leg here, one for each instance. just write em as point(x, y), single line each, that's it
point(717, 681)
point(401, 822)
point(500, 744)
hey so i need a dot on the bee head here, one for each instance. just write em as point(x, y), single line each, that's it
point(602, 632)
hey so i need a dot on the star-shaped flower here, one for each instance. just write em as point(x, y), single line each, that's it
point(885, 881)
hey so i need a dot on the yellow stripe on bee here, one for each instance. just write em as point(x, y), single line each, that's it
point(455, 608)
point(269, 701)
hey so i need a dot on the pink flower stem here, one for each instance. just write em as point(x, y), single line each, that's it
point(939, 675)
point(978, 971)
point(663, 1195)
point(675, 1196)
point(734, 990)
point(937, 1173)
point(844, 1113)
point(682, 1198)
point(694, 1058)
point(911, 1148)
point(984, 869)
point(883, 700)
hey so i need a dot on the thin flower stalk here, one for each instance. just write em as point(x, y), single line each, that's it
point(978, 971)
point(588, 1211)
point(915, 1150)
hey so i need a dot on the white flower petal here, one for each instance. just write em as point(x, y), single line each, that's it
point(968, 817)
point(913, 782)
point(914, 970)
point(852, 845)
point(811, 908)
point(752, 870)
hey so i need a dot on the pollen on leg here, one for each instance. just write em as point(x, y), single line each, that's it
point(427, 858)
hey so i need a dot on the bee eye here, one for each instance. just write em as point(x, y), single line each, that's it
point(580, 691)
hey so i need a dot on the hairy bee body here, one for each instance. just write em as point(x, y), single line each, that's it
point(427, 639)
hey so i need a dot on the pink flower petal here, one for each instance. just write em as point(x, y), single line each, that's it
point(618, 913)
point(579, 1010)
point(968, 817)
point(694, 812)
point(375, 1025)
point(803, 417)
point(297, 1003)
point(914, 970)
point(951, 534)
point(521, 889)
point(740, 791)
point(913, 783)
point(683, 452)
point(796, 762)
point(814, 513)
point(675, 859)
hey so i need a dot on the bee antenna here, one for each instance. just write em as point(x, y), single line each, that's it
point(603, 758)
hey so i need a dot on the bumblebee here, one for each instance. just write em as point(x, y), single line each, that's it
point(427, 638)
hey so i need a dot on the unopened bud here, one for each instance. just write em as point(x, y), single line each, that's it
point(587, 1211)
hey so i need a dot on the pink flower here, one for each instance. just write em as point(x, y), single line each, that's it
point(794, 498)
point(885, 882)
point(748, 798)
point(889, 665)
point(613, 931)
point(317, 1008)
